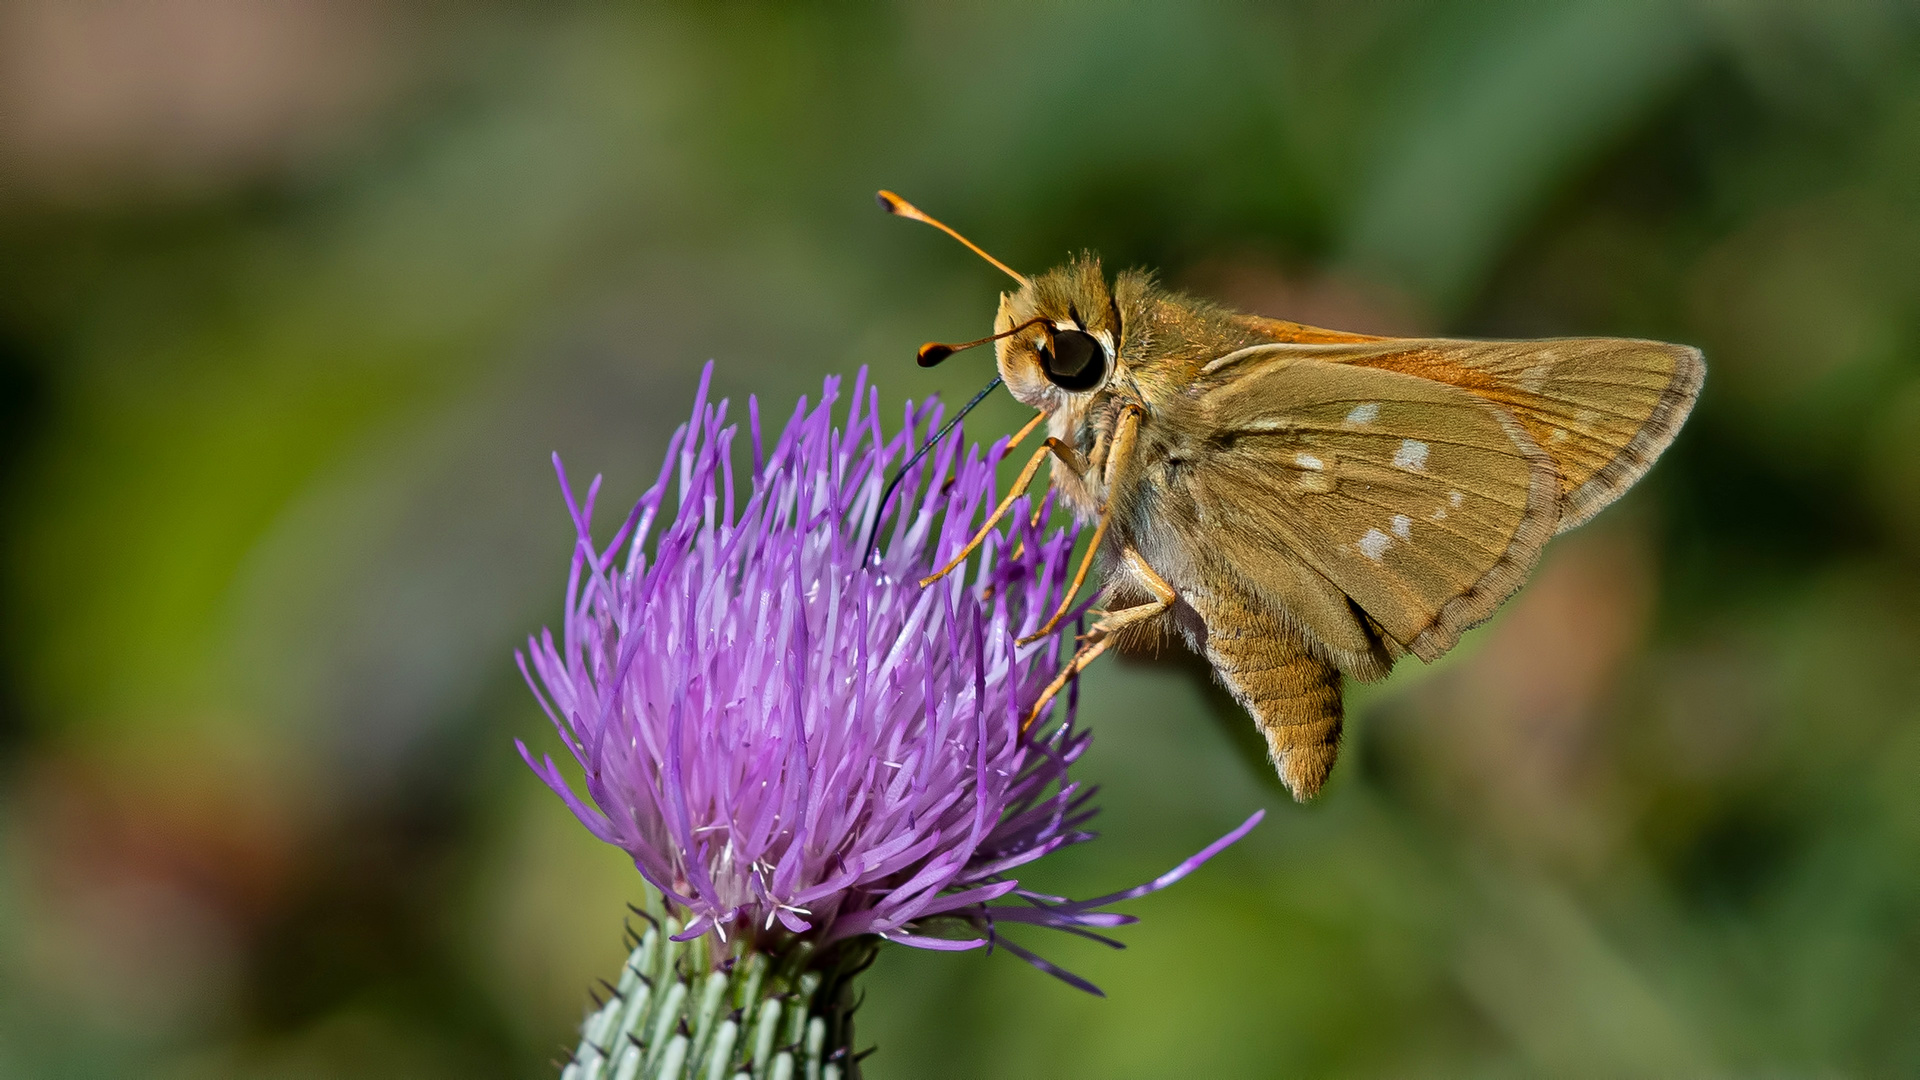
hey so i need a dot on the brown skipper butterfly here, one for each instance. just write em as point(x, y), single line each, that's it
point(1301, 505)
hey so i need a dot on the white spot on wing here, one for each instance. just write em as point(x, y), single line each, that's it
point(1456, 498)
point(1439, 514)
point(1365, 413)
point(1308, 461)
point(1534, 379)
point(1374, 544)
point(1402, 526)
point(1558, 436)
point(1411, 456)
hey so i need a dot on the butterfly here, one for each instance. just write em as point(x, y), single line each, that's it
point(1302, 506)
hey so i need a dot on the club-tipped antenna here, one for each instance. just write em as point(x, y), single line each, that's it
point(934, 352)
point(899, 207)
point(886, 495)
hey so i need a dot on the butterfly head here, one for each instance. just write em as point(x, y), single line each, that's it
point(1062, 337)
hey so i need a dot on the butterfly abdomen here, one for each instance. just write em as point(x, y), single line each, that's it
point(1292, 695)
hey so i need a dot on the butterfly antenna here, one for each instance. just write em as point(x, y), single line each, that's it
point(886, 495)
point(935, 351)
point(899, 207)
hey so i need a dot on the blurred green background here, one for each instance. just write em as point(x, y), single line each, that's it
point(296, 298)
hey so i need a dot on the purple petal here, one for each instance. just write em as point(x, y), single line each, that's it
point(1178, 872)
point(920, 941)
point(1050, 968)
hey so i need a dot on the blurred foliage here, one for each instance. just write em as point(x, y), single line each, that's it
point(297, 299)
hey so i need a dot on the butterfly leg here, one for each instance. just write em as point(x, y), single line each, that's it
point(1110, 459)
point(1079, 579)
point(1026, 431)
point(1101, 635)
point(1039, 509)
point(1061, 452)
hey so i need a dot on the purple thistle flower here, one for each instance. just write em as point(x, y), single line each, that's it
point(795, 742)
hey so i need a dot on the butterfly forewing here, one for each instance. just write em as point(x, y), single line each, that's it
point(1602, 408)
point(1420, 502)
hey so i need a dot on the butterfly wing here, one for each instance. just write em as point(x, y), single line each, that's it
point(1284, 330)
point(1381, 511)
point(1602, 408)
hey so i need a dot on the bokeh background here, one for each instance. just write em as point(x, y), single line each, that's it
point(296, 298)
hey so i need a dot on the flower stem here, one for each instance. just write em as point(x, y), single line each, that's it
point(677, 1015)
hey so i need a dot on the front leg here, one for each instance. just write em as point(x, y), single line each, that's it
point(1101, 634)
point(1126, 431)
point(1061, 452)
point(1109, 458)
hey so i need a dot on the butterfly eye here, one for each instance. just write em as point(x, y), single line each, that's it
point(1076, 361)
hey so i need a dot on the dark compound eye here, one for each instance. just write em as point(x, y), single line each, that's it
point(1076, 362)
